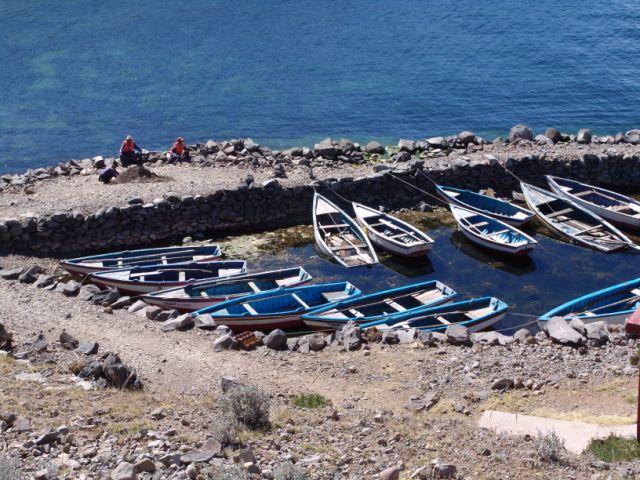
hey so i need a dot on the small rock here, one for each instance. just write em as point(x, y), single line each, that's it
point(457, 335)
point(145, 465)
point(391, 473)
point(560, 332)
point(138, 305)
point(124, 471)
point(183, 322)
point(583, 136)
point(520, 132)
point(122, 302)
point(204, 321)
point(196, 456)
point(88, 348)
point(276, 340)
point(226, 342)
point(67, 341)
point(502, 384)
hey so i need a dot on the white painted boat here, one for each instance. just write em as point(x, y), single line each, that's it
point(579, 224)
point(491, 233)
point(204, 294)
point(493, 207)
point(339, 237)
point(614, 207)
point(391, 233)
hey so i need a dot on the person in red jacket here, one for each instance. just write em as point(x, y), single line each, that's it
point(129, 151)
point(178, 152)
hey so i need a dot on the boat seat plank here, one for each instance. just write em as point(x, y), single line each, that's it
point(636, 292)
point(476, 225)
point(355, 313)
point(584, 194)
point(332, 296)
point(348, 247)
point(481, 312)
point(250, 309)
point(560, 212)
point(300, 301)
point(443, 320)
point(395, 305)
point(592, 230)
point(499, 232)
point(332, 227)
point(428, 296)
point(253, 287)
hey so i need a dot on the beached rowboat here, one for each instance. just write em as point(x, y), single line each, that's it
point(276, 308)
point(613, 305)
point(491, 233)
point(138, 280)
point(204, 294)
point(493, 207)
point(476, 314)
point(378, 305)
point(391, 233)
point(570, 219)
point(140, 258)
point(339, 237)
point(614, 207)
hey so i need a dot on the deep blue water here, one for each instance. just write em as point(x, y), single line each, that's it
point(554, 273)
point(79, 75)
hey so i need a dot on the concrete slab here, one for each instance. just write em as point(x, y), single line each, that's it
point(576, 435)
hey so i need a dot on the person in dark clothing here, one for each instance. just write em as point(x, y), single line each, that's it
point(107, 174)
point(178, 152)
point(129, 151)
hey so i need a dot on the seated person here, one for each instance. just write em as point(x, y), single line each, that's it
point(178, 152)
point(129, 151)
point(107, 174)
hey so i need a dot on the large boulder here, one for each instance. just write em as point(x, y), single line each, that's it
point(351, 335)
point(467, 137)
point(326, 149)
point(31, 274)
point(583, 136)
point(553, 134)
point(183, 322)
point(561, 332)
point(374, 147)
point(632, 136)
point(6, 339)
point(457, 335)
point(276, 340)
point(124, 471)
point(520, 132)
point(597, 332)
point(87, 292)
point(406, 145)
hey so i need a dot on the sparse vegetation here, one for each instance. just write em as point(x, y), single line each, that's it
point(310, 400)
point(615, 449)
point(249, 405)
point(225, 429)
point(550, 447)
point(9, 470)
point(288, 471)
point(229, 473)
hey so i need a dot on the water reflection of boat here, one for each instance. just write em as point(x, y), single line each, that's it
point(409, 267)
point(515, 265)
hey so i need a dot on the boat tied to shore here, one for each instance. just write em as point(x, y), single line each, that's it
point(579, 224)
point(392, 234)
point(276, 308)
point(339, 237)
point(614, 207)
point(491, 233)
point(139, 280)
point(373, 306)
point(209, 292)
point(139, 258)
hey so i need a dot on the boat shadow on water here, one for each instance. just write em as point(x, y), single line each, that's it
point(515, 265)
point(410, 267)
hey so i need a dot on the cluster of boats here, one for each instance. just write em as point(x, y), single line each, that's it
point(197, 280)
point(572, 209)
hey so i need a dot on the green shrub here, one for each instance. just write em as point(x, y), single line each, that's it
point(225, 429)
point(549, 446)
point(310, 400)
point(248, 404)
point(9, 469)
point(615, 449)
point(288, 471)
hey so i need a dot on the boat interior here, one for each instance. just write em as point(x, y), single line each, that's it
point(392, 230)
point(180, 274)
point(340, 239)
point(487, 227)
point(614, 301)
point(486, 203)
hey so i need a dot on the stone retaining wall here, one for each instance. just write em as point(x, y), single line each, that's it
point(269, 206)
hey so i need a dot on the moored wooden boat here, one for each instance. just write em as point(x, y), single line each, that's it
point(276, 308)
point(613, 305)
point(579, 224)
point(493, 207)
point(339, 237)
point(476, 314)
point(614, 207)
point(140, 258)
point(204, 294)
point(377, 305)
point(137, 280)
point(391, 233)
point(491, 233)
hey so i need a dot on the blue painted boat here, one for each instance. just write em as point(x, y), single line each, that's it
point(140, 258)
point(379, 305)
point(277, 308)
point(499, 209)
point(613, 305)
point(476, 314)
point(209, 292)
point(138, 280)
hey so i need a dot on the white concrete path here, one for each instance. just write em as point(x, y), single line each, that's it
point(576, 435)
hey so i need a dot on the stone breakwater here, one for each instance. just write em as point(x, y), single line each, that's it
point(465, 161)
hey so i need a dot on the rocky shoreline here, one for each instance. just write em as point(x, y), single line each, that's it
point(239, 186)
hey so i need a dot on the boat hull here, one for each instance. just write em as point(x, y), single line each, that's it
point(259, 323)
point(410, 252)
point(514, 222)
point(497, 247)
point(136, 288)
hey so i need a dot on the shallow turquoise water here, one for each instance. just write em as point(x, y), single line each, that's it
point(554, 273)
point(78, 75)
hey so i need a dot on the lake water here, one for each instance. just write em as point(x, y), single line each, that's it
point(79, 75)
point(552, 274)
